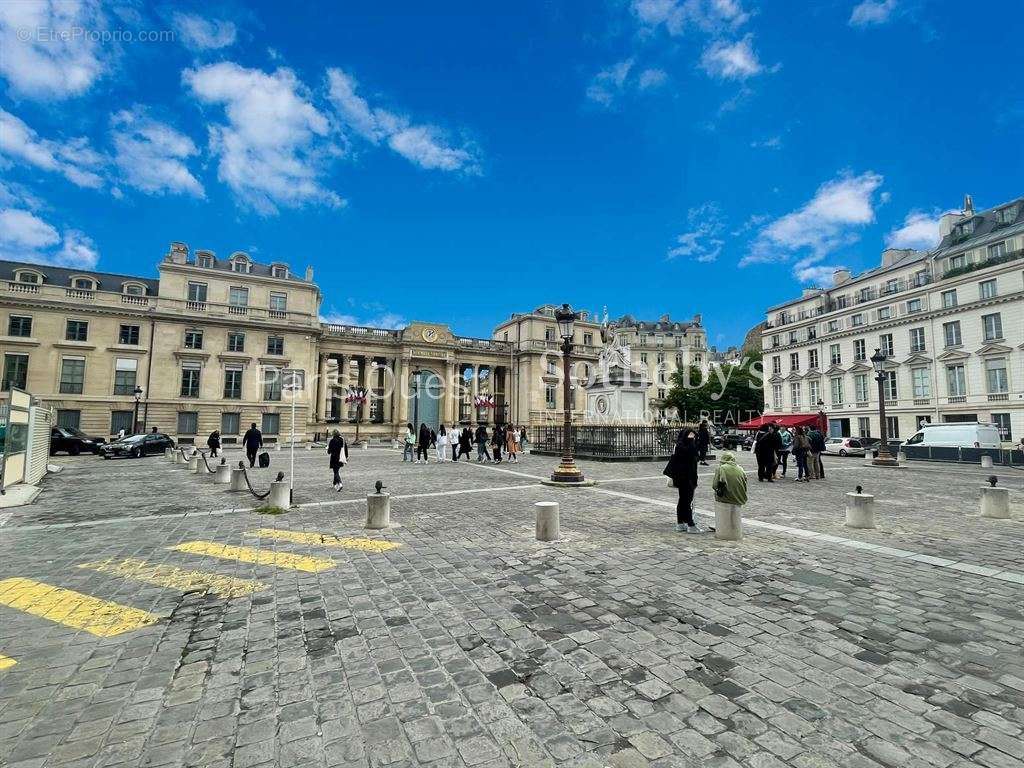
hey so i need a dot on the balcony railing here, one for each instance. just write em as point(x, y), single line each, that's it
point(135, 301)
point(79, 294)
point(998, 397)
point(956, 399)
point(19, 287)
point(238, 309)
point(195, 306)
point(338, 329)
point(922, 401)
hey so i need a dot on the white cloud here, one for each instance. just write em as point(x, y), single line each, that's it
point(383, 319)
point(816, 275)
point(201, 34)
point(772, 142)
point(151, 154)
point(275, 145)
point(703, 241)
point(609, 83)
point(731, 61)
point(871, 12)
point(74, 159)
point(26, 237)
point(827, 222)
point(422, 145)
point(919, 231)
point(678, 15)
point(652, 78)
point(57, 60)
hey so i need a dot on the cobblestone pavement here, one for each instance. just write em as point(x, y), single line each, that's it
point(150, 618)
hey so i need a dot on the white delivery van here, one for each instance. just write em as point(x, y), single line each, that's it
point(958, 434)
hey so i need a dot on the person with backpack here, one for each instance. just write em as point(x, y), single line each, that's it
point(682, 471)
point(337, 449)
point(786, 441)
point(801, 452)
point(253, 441)
point(409, 443)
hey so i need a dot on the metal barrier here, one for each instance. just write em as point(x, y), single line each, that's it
point(608, 442)
point(248, 483)
point(1003, 456)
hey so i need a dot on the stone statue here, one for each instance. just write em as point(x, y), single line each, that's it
point(614, 354)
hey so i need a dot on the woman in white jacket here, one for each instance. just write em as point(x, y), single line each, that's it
point(441, 444)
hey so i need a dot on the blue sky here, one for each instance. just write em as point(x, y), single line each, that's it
point(457, 162)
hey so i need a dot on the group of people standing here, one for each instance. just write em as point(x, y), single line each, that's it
point(773, 445)
point(452, 444)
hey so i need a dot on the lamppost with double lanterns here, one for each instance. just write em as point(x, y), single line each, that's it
point(883, 459)
point(566, 473)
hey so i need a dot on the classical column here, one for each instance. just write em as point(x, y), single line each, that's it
point(366, 374)
point(450, 394)
point(475, 385)
point(402, 392)
point(322, 390)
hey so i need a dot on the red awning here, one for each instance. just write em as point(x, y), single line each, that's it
point(783, 420)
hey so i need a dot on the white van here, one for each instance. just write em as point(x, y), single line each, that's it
point(957, 434)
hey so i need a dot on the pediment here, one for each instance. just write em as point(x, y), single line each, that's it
point(916, 358)
point(994, 349)
point(860, 367)
point(953, 354)
point(835, 370)
point(794, 376)
point(776, 378)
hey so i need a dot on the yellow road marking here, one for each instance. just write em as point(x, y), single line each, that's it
point(73, 609)
point(177, 578)
point(6, 662)
point(325, 540)
point(258, 556)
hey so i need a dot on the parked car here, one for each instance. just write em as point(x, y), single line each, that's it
point(845, 446)
point(747, 443)
point(73, 441)
point(137, 446)
point(730, 441)
point(870, 444)
point(963, 434)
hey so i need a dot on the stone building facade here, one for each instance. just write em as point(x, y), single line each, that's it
point(950, 320)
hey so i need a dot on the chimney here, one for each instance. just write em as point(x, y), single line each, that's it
point(697, 319)
point(968, 206)
point(809, 292)
point(309, 274)
point(178, 253)
point(664, 319)
point(891, 255)
point(840, 276)
point(947, 221)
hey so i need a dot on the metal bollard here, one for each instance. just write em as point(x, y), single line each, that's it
point(728, 522)
point(237, 479)
point(280, 494)
point(860, 510)
point(547, 524)
point(995, 503)
point(222, 474)
point(378, 511)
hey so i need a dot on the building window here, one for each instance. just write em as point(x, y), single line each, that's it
point(837, 390)
point(240, 265)
point(72, 375)
point(278, 302)
point(987, 289)
point(188, 422)
point(29, 277)
point(813, 393)
point(922, 381)
point(885, 344)
point(863, 426)
point(794, 394)
point(860, 387)
point(275, 345)
point(776, 397)
point(549, 396)
point(776, 365)
point(588, 338)
point(77, 330)
point(884, 313)
point(204, 260)
point(949, 299)
point(812, 358)
point(951, 333)
point(956, 380)
point(236, 341)
point(69, 418)
point(857, 320)
point(134, 289)
point(15, 371)
point(889, 385)
point(238, 296)
point(792, 337)
point(19, 325)
point(859, 350)
point(197, 293)
point(914, 306)
point(271, 384)
point(993, 325)
point(271, 424)
point(995, 376)
point(230, 423)
point(233, 384)
point(892, 427)
point(1002, 421)
point(552, 368)
point(812, 332)
point(128, 334)
point(996, 250)
point(835, 355)
point(833, 326)
point(121, 420)
point(193, 339)
point(957, 262)
point(661, 396)
point(83, 284)
point(917, 340)
point(124, 375)
point(549, 334)
point(190, 379)
point(794, 361)
point(279, 270)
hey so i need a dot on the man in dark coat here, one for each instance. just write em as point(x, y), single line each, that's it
point(768, 445)
point(213, 443)
point(703, 441)
point(682, 469)
point(423, 444)
point(465, 443)
point(253, 441)
point(480, 437)
point(337, 449)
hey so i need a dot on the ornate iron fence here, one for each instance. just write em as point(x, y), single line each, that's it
point(609, 443)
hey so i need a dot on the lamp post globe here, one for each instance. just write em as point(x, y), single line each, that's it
point(884, 459)
point(566, 472)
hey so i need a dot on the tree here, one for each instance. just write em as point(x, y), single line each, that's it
point(721, 393)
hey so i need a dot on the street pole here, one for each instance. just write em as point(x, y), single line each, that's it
point(291, 468)
point(884, 458)
point(566, 471)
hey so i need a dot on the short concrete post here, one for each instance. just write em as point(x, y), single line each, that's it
point(986, 462)
point(193, 463)
point(200, 466)
point(237, 479)
point(309, 446)
point(860, 510)
point(222, 474)
point(728, 521)
point(901, 457)
point(179, 457)
point(169, 454)
point(280, 494)
point(995, 503)
point(277, 446)
point(378, 511)
point(547, 526)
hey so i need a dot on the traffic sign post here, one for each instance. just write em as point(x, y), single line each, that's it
point(293, 381)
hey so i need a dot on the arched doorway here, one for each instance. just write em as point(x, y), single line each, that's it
point(425, 391)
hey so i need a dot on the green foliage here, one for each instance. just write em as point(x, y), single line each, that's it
point(723, 394)
point(269, 510)
point(957, 271)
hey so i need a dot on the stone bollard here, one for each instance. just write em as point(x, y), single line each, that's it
point(277, 446)
point(309, 446)
point(169, 454)
point(986, 462)
point(222, 474)
point(860, 510)
point(728, 522)
point(995, 503)
point(179, 457)
point(200, 466)
point(547, 526)
point(901, 457)
point(193, 463)
point(378, 511)
point(237, 479)
point(280, 494)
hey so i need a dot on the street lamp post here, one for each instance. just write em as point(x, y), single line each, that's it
point(416, 400)
point(135, 416)
point(884, 459)
point(566, 471)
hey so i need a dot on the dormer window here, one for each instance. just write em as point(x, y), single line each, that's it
point(279, 270)
point(133, 289)
point(1007, 215)
point(966, 228)
point(240, 263)
point(25, 276)
point(204, 260)
point(83, 283)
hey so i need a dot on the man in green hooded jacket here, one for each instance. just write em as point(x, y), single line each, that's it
point(730, 481)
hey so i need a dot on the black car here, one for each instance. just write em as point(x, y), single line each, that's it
point(137, 446)
point(73, 441)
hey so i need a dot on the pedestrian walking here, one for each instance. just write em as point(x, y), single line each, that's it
point(524, 439)
point(767, 447)
point(497, 440)
point(512, 444)
point(337, 449)
point(423, 444)
point(682, 470)
point(409, 443)
point(213, 443)
point(253, 441)
point(703, 441)
point(786, 441)
point(801, 452)
point(441, 444)
point(480, 436)
point(817, 448)
point(466, 443)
